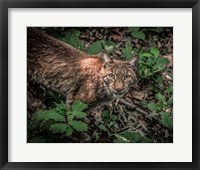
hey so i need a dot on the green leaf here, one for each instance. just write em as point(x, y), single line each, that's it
point(95, 48)
point(146, 54)
point(79, 114)
point(75, 32)
point(162, 61)
point(166, 120)
point(134, 29)
point(169, 89)
point(151, 61)
point(128, 135)
point(46, 124)
point(108, 45)
point(138, 35)
point(159, 80)
point(61, 106)
point(78, 125)
point(154, 107)
point(155, 52)
point(70, 116)
point(48, 114)
point(145, 65)
point(73, 41)
point(170, 101)
point(160, 97)
point(58, 128)
point(69, 131)
point(128, 51)
point(79, 106)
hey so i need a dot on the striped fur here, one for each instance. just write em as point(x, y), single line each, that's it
point(75, 74)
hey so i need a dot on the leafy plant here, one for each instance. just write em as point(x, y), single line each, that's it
point(95, 48)
point(105, 124)
point(166, 119)
point(159, 108)
point(137, 33)
point(125, 125)
point(98, 46)
point(129, 51)
point(151, 63)
point(72, 37)
point(63, 120)
point(108, 46)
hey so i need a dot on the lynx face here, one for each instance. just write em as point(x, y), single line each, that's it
point(118, 75)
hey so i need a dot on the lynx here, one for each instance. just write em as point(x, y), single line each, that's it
point(93, 79)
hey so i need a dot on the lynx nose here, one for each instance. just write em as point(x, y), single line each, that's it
point(118, 89)
point(119, 86)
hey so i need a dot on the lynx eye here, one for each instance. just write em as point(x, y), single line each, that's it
point(111, 76)
point(127, 77)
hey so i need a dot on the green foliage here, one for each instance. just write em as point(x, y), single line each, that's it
point(95, 48)
point(164, 102)
point(72, 37)
point(129, 51)
point(170, 101)
point(108, 46)
point(141, 32)
point(110, 120)
point(154, 107)
point(107, 117)
point(151, 63)
point(61, 124)
point(137, 33)
point(169, 89)
point(58, 128)
point(62, 120)
point(155, 52)
point(48, 114)
point(132, 137)
point(166, 119)
point(79, 106)
point(78, 125)
point(98, 46)
point(69, 131)
point(160, 97)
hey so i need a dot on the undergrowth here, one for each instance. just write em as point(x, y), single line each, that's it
point(57, 123)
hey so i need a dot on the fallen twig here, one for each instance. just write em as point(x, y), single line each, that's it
point(133, 106)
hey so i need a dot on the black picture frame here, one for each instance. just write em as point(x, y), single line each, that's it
point(6, 4)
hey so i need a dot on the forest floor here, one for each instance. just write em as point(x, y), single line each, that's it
point(144, 115)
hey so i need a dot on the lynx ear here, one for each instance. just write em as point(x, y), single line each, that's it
point(133, 62)
point(107, 61)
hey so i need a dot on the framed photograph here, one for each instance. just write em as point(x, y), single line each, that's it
point(99, 85)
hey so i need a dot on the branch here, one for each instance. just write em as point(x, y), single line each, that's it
point(133, 106)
